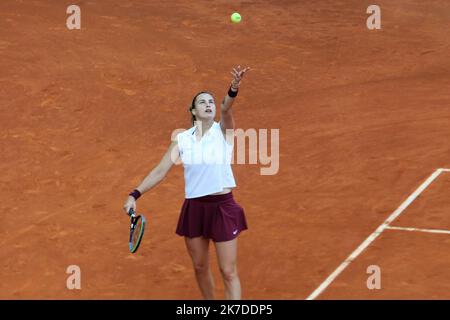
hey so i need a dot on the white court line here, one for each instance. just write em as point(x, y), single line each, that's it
point(374, 235)
point(445, 170)
point(419, 230)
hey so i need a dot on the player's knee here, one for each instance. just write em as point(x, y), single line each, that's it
point(201, 267)
point(229, 273)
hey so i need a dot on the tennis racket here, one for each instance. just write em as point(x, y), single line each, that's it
point(137, 227)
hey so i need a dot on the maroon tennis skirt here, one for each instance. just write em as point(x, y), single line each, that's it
point(217, 217)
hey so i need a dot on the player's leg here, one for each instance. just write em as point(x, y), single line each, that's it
point(227, 259)
point(198, 250)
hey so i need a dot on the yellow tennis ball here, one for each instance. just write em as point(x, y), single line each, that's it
point(236, 17)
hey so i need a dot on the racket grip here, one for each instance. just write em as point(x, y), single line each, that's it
point(131, 212)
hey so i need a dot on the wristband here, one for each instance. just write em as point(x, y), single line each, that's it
point(232, 93)
point(135, 194)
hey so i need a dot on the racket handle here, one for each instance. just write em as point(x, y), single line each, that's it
point(131, 212)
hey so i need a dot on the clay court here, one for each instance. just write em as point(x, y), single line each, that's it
point(363, 117)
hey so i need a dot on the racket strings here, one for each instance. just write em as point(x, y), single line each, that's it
point(136, 231)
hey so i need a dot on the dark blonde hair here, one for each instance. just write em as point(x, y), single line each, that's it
point(192, 106)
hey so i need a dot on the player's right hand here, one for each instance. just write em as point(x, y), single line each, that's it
point(130, 203)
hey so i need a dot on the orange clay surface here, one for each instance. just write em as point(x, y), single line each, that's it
point(86, 114)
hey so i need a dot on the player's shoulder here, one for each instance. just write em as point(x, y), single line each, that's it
point(183, 134)
point(189, 132)
point(217, 126)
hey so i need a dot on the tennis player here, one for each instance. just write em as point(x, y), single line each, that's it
point(209, 212)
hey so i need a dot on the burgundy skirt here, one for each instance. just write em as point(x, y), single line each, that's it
point(217, 217)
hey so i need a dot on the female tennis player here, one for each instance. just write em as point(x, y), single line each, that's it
point(209, 212)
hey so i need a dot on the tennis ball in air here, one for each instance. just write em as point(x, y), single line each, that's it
point(236, 17)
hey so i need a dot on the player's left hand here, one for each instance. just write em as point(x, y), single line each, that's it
point(238, 74)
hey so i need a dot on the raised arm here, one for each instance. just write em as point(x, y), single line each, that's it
point(226, 113)
point(155, 176)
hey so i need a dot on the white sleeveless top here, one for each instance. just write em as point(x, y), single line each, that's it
point(207, 163)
